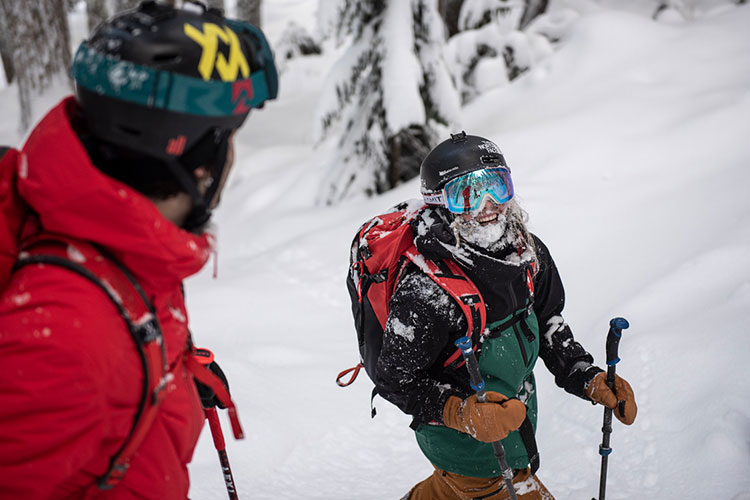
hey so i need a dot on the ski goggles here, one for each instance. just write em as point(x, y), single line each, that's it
point(467, 192)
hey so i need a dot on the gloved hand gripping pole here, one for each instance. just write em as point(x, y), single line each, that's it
point(616, 326)
point(464, 343)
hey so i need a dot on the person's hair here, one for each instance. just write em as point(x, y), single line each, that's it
point(517, 219)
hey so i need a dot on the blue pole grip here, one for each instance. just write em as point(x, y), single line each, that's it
point(464, 343)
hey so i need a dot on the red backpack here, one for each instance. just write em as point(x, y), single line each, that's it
point(379, 252)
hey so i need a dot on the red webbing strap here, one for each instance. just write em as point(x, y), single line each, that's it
point(461, 288)
point(354, 369)
point(139, 316)
point(206, 377)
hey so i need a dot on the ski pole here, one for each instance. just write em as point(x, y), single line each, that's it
point(464, 343)
point(616, 326)
point(213, 422)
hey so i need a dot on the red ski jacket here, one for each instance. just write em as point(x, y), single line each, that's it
point(71, 375)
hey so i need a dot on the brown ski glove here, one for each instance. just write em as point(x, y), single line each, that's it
point(486, 422)
point(622, 401)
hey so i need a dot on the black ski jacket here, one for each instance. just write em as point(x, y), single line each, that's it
point(424, 321)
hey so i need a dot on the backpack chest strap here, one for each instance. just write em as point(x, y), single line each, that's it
point(139, 315)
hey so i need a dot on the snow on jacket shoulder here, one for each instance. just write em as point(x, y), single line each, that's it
point(72, 377)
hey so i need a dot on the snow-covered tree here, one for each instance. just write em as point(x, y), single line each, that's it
point(249, 10)
point(40, 48)
point(388, 98)
point(216, 4)
point(295, 41)
point(494, 44)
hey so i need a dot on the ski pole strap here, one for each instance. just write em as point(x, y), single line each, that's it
point(213, 423)
point(203, 375)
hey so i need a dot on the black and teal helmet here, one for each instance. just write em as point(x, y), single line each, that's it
point(172, 84)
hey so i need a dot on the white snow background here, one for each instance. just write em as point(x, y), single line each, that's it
point(630, 148)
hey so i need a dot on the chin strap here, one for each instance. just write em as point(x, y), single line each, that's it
point(212, 152)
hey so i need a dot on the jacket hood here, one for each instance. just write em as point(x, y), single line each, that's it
point(73, 198)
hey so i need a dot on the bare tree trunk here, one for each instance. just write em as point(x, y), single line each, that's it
point(215, 4)
point(97, 12)
point(41, 48)
point(449, 11)
point(6, 51)
point(120, 5)
point(249, 10)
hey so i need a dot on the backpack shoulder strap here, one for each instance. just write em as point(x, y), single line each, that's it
point(139, 315)
point(457, 284)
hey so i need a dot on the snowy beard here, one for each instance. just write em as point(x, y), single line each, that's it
point(491, 237)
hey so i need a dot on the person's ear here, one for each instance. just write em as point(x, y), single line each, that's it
point(201, 173)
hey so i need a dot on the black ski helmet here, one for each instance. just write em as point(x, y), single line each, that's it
point(455, 157)
point(172, 84)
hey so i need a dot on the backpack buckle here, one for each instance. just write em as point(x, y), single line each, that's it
point(147, 328)
point(113, 476)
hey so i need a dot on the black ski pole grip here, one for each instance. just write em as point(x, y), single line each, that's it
point(616, 326)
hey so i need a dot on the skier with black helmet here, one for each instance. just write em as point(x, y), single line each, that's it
point(105, 211)
point(472, 218)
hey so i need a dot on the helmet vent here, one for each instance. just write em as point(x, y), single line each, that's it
point(168, 58)
point(129, 130)
point(457, 138)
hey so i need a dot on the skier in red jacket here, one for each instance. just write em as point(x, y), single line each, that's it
point(128, 172)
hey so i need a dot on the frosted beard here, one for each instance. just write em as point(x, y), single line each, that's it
point(491, 237)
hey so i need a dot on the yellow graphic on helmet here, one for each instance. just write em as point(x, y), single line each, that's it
point(211, 58)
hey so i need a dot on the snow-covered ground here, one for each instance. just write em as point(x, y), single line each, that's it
point(630, 149)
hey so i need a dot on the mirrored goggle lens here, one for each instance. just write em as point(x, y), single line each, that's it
point(465, 193)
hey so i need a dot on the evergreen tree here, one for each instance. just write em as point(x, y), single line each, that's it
point(389, 97)
point(40, 50)
point(494, 44)
point(216, 4)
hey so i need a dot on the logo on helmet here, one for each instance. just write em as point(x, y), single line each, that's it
point(212, 59)
point(242, 94)
point(176, 145)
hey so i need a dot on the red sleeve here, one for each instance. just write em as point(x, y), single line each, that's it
point(53, 412)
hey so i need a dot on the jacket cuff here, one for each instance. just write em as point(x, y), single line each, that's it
point(580, 377)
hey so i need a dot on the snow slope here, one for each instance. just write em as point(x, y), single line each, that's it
point(629, 148)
